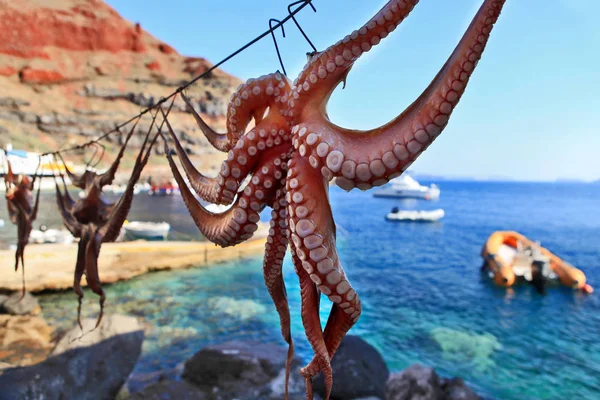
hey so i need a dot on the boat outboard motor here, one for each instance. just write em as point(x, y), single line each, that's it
point(395, 210)
point(537, 277)
point(540, 267)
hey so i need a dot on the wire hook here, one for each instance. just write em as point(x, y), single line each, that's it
point(101, 154)
point(292, 14)
point(275, 40)
point(89, 162)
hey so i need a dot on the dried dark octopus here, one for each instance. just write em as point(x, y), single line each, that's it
point(95, 221)
point(22, 210)
point(287, 160)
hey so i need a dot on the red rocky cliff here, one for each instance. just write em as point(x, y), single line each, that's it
point(75, 39)
point(72, 69)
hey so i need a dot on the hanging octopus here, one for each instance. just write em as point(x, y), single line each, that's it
point(95, 221)
point(22, 211)
point(288, 159)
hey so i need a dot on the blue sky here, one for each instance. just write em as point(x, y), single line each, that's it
point(531, 108)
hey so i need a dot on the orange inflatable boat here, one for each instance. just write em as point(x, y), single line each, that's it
point(510, 257)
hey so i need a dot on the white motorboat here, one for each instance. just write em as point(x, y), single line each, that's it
point(60, 236)
point(146, 230)
point(405, 186)
point(1, 223)
point(216, 208)
point(415, 215)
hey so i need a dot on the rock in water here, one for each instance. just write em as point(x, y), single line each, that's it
point(169, 390)
point(17, 304)
point(455, 389)
point(24, 339)
point(93, 367)
point(414, 383)
point(242, 370)
point(358, 371)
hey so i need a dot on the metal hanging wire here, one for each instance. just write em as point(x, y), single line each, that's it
point(291, 15)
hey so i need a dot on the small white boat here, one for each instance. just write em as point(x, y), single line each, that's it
point(405, 186)
point(217, 208)
point(60, 236)
point(1, 223)
point(415, 215)
point(146, 230)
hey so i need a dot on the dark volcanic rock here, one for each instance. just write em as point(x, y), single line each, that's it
point(414, 383)
point(242, 370)
point(170, 390)
point(94, 366)
point(17, 304)
point(455, 389)
point(358, 371)
point(422, 383)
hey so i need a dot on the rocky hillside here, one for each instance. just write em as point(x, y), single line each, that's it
point(72, 69)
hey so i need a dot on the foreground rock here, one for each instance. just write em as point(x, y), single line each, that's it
point(170, 390)
point(19, 304)
point(358, 371)
point(94, 366)
point(249, 370)
point(243, 370)
point(24, 339)
point(455, 389)
point(418, 382)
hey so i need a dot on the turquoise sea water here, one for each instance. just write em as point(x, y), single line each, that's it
point(424, 299)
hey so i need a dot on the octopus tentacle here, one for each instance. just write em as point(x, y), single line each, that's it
point(12, 211)
point(312, 232)
point(110, 231)
point(251, 99)
point(240, 222)
point(107, 177)
point(312, 328)
point(77, 181)
point(241, 160)
point(92, 252)
point(371, 158)
point(275, 249)
point(65, 207)
point(36, 204)
point(326, 69)
point(206, 188)
point(219, 141)
point(79, 271)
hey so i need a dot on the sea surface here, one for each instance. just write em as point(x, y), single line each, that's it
point(424, 299)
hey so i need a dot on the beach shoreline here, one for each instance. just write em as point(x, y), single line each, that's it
point(49, 267)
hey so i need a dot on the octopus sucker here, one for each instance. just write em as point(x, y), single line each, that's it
point(289, 157)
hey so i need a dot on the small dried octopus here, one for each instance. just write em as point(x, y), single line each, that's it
point(95, 221)
point(287, 160)
point(22, 211)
